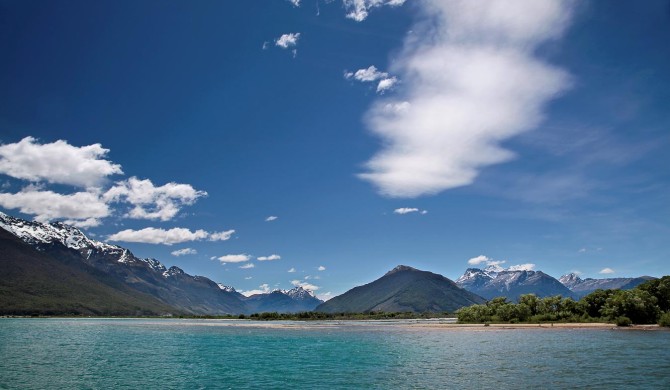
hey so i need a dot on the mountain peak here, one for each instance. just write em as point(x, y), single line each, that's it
point(401, 268)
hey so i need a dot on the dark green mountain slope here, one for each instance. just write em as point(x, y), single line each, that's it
point(32, 282)
point(403, 289)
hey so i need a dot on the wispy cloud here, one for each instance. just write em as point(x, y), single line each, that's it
point(606, 271)
point(497, 264)
point(287, 40)
point(296, 3)
point(172, 236)
point(305, 285)
point(271, 218)
point(291, 270)
point(247, 266)
point(358, 10)
point(263, 289)
point(409, 210)
point(238, 258)
point(269, 258)
point(321, 268)
point(472, 55)
point(184, 252)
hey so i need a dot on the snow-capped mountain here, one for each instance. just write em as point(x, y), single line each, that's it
point(494, 281)
point(299, 293)
point(171, 286)
point(581, 287)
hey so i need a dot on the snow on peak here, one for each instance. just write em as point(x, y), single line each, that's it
point(36, 233)
point(299, 293)
point(226, 288)
point(173, 271)
point(155, 265)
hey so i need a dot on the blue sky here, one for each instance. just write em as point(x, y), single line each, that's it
point(526, 132)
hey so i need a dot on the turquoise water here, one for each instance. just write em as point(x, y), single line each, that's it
point(180, 354)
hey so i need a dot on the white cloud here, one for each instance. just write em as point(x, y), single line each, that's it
point(57, 162)
point(287, 40)
point(305, 285)
point(606, 271)
point(296, 3)
point(522, 267)
point(184, 252)
point(321, 268)
point(81, 209)
point(240, 258)
point(473, 81)
point(582, 250)
point(386, 84)
point(268, 258)
point(248, 277)
point(366, 75)
point(495, 264)
point(151, 202)
point(325, 296)
point(221, 236)
point(152, 235)
point(407, 210)
point(371, 74)
point(358, 9)
point(271, 218)
point(479, 260)
point(292, 270)
point(263, 289)
point(247, 266)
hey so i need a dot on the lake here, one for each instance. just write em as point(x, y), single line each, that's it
point(207, 354)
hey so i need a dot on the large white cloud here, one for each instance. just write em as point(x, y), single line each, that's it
point(151, 202)
point(152, 235)
point(57, 162)
point(83, 209)
point(61, 163)
point(472, 80)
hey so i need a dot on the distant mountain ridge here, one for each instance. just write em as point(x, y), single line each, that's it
point(172, 287)
point(403, 289)
point(582, 287)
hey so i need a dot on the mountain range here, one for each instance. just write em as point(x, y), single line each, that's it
point(54, 268)
point(581, 287)
point(494, 281)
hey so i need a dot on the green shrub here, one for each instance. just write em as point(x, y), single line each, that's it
point(665, 320)
point(623, 321)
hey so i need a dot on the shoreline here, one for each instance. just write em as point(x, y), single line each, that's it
point(438, 324)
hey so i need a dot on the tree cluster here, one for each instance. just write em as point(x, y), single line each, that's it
point(648, 303)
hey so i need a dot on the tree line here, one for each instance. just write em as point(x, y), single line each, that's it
point(648, 303)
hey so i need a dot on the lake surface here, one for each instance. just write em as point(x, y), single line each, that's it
point(208, 354)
